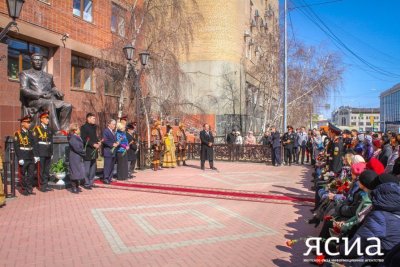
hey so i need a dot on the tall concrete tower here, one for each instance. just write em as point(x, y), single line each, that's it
point(221, 54)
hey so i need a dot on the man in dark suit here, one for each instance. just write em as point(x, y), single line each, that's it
point(91, 143)
point(43, 150)
point(109, 142)
point(276, 147)
point(207, 149)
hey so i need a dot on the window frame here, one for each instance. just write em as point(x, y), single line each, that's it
point(81, 10)
point(28, 54)
point(82, 75)
point(120, 15)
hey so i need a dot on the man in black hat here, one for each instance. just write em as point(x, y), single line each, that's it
point(43, 150)
point(23, 142)
point(288, 141)
point(336, 152)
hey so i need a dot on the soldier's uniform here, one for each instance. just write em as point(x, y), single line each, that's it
point(336, 162)
point(156, 140)
point(181, 145)
point(23, 143)
point(43, 148)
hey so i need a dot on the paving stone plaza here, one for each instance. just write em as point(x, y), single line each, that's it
point(139, 226)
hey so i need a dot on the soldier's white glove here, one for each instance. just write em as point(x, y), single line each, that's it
point(21, 162)
point(37, 159)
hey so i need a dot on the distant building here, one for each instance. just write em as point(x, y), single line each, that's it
point(390, 109)
point(222, 52)
point(361, 119)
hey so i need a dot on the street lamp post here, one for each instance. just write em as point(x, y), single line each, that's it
point(129, 52)
point(14, 10)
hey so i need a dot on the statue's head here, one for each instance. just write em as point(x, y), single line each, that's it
point(37, 61)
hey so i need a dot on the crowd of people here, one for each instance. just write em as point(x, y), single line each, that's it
point(118, 145)
point(357, 193)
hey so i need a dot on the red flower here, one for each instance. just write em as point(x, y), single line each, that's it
point(328, 218)
point(63, 132)
point(336, 229)
point(320, 259)
point(87, 139)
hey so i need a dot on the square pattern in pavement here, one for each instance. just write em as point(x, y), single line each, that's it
point(206, 229)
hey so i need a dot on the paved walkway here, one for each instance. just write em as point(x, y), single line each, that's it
point(117, 227)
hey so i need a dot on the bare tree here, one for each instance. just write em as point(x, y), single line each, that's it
point(164, 28)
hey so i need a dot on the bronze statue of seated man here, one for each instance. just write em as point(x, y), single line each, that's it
point(39, 93)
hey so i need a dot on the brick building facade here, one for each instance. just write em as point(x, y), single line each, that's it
point(70, 34)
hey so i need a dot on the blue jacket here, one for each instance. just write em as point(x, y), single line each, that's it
point(382, 222)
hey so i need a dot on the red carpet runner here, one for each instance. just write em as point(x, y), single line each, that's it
point(207, 192)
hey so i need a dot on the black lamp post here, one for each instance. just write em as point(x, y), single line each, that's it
point(129, 52)
point(14, 10)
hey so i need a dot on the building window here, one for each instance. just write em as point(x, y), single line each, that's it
point(354, 123)
point(118, 20)
point(112, 87)
point(81, 73)
point(368, 123)
point(83, 9)
point(19, 53)
point(361, 123)
point(344, 123)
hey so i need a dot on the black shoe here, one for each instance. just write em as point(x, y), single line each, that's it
point(184, 164)
point(49, 189)
point(213, 168)
point(74, 190)
point(313, 220)
point(203, 168)
point(106, 182)
point(87, 187)
point(24, 193)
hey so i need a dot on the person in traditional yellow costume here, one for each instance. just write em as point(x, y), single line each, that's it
point(169, 159)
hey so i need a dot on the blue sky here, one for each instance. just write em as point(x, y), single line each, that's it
point(369, 28)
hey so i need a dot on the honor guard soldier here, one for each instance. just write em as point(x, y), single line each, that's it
point(182, 144)
point(156, 140)
point(23, 143)
point(43, 150)
point(336, 162)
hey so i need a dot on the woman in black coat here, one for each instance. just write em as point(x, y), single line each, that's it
point(76, 155)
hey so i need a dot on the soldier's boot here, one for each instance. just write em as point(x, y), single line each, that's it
point(178, 162)
point(184, 163)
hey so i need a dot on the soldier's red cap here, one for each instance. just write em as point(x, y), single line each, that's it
point(44, 114)
point(26, 118)
point(124, 118)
